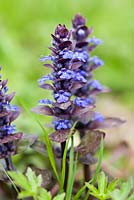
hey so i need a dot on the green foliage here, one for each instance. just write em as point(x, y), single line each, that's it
point(124, 192)
point(30, 183)
point(104, 189)
point(59, 197)
point(30, 186)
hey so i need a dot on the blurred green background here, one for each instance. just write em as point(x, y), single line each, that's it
point(25, 28)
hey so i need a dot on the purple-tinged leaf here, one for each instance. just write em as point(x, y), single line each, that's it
point(48, 65)
point(11, 138)
point(76, 86)
point(81, 44)
point(55, 38)
point(59, 136)
point(46, 86)
point(53, 50)
point(76, 65)
point(86, 117)
point(43, 110)
point(90, 142)
point(63, 106)
point(13, 115)
point(4, 113)
point(9, 97)
point(4, 82)
point(65, 44)
point(108, 122)
point(78, 112)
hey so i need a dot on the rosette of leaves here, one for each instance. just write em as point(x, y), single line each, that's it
point(8, 113)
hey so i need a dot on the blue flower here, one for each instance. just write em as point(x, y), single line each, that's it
point(95, 41)
point(66, 74)
point(45, 101)
point(45, 58)
point(95, 60)
point(45, 78)
point(81, 56)
point(98, 117)
point(66, 54)
point(95, 84)
point(9, 129)
point(4, 90)
point(83, 102)
point(62, 96)
point(62, 124)
point(80, 76)
point(11, 108)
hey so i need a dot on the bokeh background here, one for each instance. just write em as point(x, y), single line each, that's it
point(25, 28)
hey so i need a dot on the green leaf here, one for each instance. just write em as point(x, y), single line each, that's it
point(102, 183)
point(24, 194)
point(92, 188)
point(34, 181)
point(64, 155)
point(79, 193)
point(44, 195)
point(124, 191)
point(59, 197)
point(112, 185)
point(20, 180)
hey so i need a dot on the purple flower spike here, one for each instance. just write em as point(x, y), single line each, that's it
point(71, 78)
point(8, 113)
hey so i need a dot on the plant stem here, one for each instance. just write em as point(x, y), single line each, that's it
point(63, 144)
point(86, 169)
point(87, 172)
point(9, 164)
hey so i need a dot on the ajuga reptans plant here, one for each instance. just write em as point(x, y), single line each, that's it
point(74, 90)
point(8, 113)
